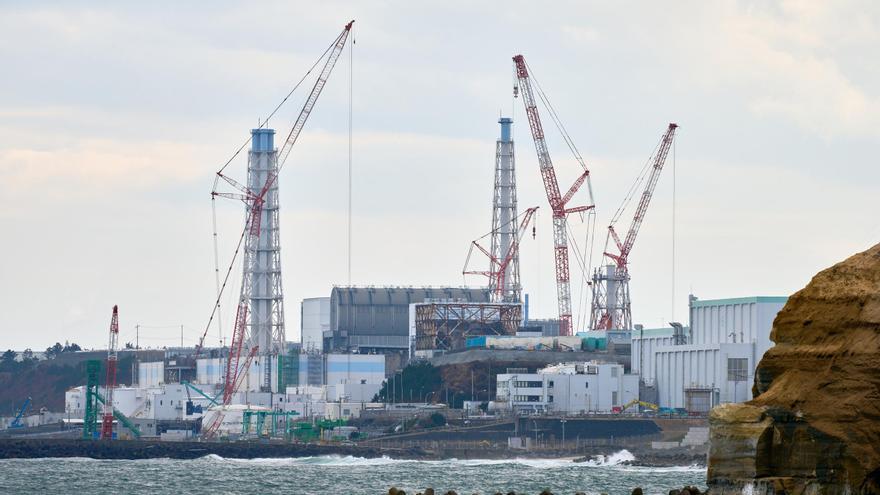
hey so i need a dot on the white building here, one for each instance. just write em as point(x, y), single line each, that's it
point(314, 321)
point(568, 388)
point(714, 359)
point(310, 369)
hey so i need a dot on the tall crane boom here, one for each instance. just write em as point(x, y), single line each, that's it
point(626, 246)
point(558, 202)
point(255, 198)
point(107, 420)
point(611, 307)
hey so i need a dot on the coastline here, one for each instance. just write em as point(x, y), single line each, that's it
point(19, 448)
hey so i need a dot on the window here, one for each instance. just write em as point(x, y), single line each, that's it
point(737, 369)
point(527, 398)
point(529, 384)
point(592, 370)
point(160, 402)
point(550, 398)
point(586, 384)
point(550, 384)
point(614, 372)
point(614, 398)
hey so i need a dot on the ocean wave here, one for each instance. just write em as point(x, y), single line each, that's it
point(613, 460)
point(324, 460)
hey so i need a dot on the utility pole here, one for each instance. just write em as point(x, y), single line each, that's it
point(563, 420)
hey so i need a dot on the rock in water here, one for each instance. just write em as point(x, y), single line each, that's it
point(814, 424)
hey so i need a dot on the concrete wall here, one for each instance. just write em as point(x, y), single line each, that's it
point(719, 330)
point(644, 345)
point(355, 368)
point(315, 320)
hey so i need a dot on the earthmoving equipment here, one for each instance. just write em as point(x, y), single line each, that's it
point(16, 422)
point(646, 405)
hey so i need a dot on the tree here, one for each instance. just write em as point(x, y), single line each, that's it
point(9, 356)
point(27, 355)
point(54, 351)
point(71, 347)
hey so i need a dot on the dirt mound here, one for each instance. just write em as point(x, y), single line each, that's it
point(815, 421)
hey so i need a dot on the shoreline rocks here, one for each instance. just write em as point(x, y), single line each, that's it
point(814, 424)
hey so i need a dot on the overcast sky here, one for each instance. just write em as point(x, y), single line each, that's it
point(114, 119)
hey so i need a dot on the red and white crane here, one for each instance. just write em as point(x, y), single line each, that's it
point(611, 303)
point(107, 419)
point(558, 201)
point(254, 200)
point(499, 268)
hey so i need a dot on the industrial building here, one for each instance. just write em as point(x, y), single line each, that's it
point(329, 386)
point(709, 362)
point(314, 321)
point(567, 388)
point(376, 319)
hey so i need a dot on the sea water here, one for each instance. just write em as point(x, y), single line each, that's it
point(340, 475)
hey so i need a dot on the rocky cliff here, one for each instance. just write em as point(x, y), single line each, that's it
point(814, 425)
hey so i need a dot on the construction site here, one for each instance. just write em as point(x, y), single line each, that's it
point(413, 368)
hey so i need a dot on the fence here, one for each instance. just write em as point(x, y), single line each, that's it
point(573, 445)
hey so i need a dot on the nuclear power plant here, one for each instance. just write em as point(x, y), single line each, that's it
point(393, 355)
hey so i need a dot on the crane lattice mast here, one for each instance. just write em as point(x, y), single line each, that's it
point(107, 420)
point(611, 307)
point(255, 199)
point(558, 202)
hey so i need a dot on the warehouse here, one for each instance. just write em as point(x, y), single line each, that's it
point(376, 319)
point(711, 361)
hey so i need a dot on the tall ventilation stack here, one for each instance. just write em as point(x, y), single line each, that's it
point(504, 219)
point(262, 263)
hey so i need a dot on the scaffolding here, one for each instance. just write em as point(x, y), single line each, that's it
point(447, 325)
point(90, 419)
point(271, 430)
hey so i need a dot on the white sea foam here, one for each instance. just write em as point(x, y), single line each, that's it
point(614, 459)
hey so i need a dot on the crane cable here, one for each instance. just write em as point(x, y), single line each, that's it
point(283, 101)
point(589, 239)
point(643, 174)
point(222, 287)
point(350, 132)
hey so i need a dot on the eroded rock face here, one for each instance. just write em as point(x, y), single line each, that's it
point(814, 425)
